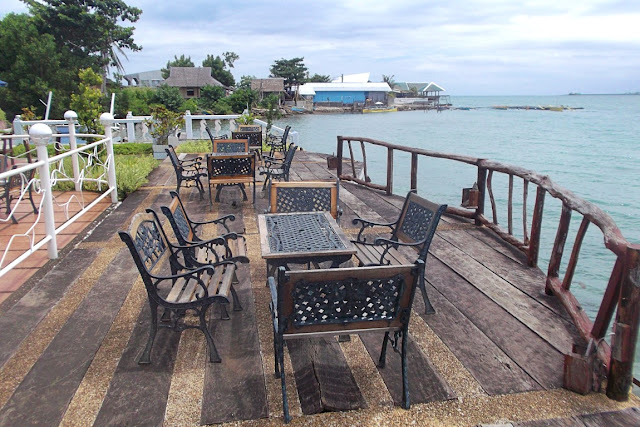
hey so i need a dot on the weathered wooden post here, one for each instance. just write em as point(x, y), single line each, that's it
point(389, 188)
point(41, 136)
point(536, 228)
point(625, 328)
point(339, 156)
point(482, 189)
point(414, 171)
point(558, 247)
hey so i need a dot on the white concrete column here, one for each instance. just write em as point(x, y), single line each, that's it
point(188, 124)
point(41, 136)
point(70, 116)
point(107, 121)
point(131, 128)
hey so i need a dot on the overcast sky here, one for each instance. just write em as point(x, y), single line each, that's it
point(470, 47)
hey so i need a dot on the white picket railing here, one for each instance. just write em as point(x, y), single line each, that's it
point(49, 171)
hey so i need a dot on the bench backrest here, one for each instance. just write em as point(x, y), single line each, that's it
point(179, 220)
point(234, 166)
point(231, 145)
point(304, 196)
point(213, 138)
point(254, 137)
point(147, 244)
point(417, 222)
point(171, 152)
point(288, 159)
point(338, 300)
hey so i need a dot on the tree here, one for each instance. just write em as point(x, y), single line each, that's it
point(319, 78)
point(389, 80)
point(210, 95)
point(183, 61)
point(245, 82)
point(169, 97)
point(218, 68)
point(230, 58)
point(89, 29)
point(33, 65)
point(87, 102)
point(292, 70)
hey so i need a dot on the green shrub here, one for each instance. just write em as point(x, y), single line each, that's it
point(132, 172)
point(197, 146)
point(130, 148)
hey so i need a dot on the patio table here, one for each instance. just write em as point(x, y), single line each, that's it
point(302, 237)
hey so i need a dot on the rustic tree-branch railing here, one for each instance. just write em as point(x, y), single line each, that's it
point(624, 281)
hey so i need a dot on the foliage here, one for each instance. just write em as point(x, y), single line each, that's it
point(222, 107)
point(219, 68)
point(87, 102)
point(132, 172)
point(273, 111)
point(3, 116)
point(195, 146)
point(245, 119)
point(389, 80)
point(169, 97)
point(33, 64)
point(293, 71)
point(190, 104)
point(28, 113)
point(163, 123)
point(241, 99)
point(130, 148)
point(89, 30)
point(245, 82)
point(134, 99)
point(210, 95)
point(183, 61)
point(319, 78)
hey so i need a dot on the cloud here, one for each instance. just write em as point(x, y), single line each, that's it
point(468, 46)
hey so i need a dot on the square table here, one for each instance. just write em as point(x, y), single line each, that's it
point(302, 237)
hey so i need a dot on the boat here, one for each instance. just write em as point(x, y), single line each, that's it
point(380, 110)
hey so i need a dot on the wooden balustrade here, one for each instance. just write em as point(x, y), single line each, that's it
point(623, 288)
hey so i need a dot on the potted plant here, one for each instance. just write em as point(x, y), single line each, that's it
point(163, 124)
point(245, 123)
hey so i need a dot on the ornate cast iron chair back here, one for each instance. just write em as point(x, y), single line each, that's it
point(231, 146)
point(187, 171)
point(304, 196)
point(308, 303)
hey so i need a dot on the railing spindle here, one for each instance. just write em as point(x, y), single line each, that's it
point(510, 206)
point(558, 246)
point(573, 261)
point(525, 195)
point(389, 171)
point(414, 171)
point(494, 210)
point(536, 228)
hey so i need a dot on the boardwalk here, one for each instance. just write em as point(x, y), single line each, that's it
point(492, 353)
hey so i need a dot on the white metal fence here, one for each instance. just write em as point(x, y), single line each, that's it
point(91, 165)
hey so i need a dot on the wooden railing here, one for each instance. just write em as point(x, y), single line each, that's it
point(623, 288)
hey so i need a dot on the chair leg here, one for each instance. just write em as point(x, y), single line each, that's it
point(428, 308)
point(236, 301)
point(406, 403)
point(214, 357)
point(285, 402)
point(200, 188)
point(145, 358)
point(382, 361)
point(210, 200)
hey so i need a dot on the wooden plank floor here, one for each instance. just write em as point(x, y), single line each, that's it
point(492, 353)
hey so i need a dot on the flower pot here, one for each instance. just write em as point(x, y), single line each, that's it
point(159, 151)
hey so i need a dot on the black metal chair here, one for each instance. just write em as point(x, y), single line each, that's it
point(305, 196)
point(225, 247)
point(19, 185)
point(213, 138)
point(188, 172)
point(414, 228)
point(277, 169)
point(191, 286)
point(337, 301)
point(278, 143)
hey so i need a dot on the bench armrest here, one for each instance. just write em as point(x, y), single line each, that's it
point(366, 223)
point(190, 162)
point(222, 221)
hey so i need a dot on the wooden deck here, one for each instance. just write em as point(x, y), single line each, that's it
point(492, 353)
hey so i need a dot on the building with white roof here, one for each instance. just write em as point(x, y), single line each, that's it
point(345, 93)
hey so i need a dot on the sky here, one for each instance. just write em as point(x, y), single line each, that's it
point(469, 47)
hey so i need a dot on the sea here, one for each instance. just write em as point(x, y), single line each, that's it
point(592, 149)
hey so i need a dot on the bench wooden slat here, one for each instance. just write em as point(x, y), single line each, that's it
point(215, 280)
point(175, 291)
point(188, 292)
point(227, 279)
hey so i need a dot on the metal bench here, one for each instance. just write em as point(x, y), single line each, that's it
point(187, 171)
point(278, 143)
point(414, 228)
point(226, 247)
point(305, 196)
point(191, 285)
point(337, 301)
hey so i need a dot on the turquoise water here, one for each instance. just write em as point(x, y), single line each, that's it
point(592, 151)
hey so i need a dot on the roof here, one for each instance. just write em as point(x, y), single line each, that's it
point(419, 87)
point(191, 77)
point(274, 84)
point(145, 75)
point(352, 78)
point(312, 88)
